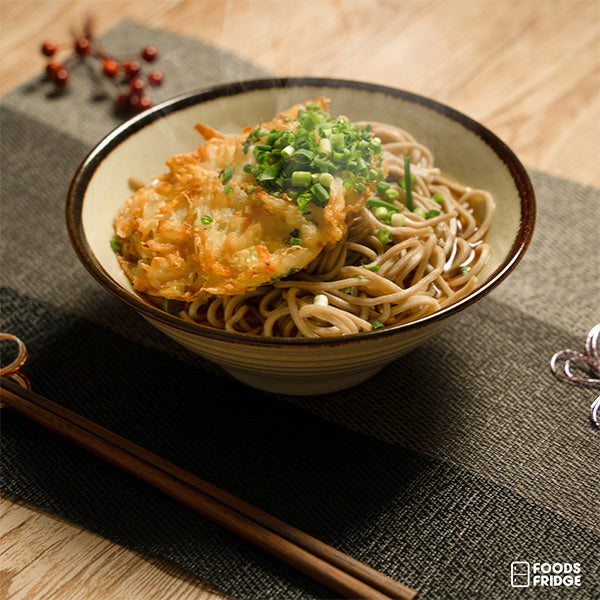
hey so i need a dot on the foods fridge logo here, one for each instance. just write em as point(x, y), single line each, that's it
point(525, 574)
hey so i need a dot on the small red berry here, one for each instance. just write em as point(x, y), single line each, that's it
point(131, 68)
point(137, 85)
point(149, 53)
point(83, 47)
point(61, 78)
point(123, 102)
point(110, 67)
point(49, 48)
point(143, 103)
point(52, 68)
point(156, 78)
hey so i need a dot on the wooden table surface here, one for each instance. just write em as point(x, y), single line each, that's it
point(529, 71)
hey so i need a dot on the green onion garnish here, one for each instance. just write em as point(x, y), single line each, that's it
point(382, 186)
point(391, 194)
point(304, 158)
point(206, 219)
point(115, 244)
point(438, 198)
point(301, 178)
point(326, 179)
point(166, 304)
point(226, 174)
point(320, 194)
point(384, 236)
point(377, 324)
point(375, 202)
point(382, 214)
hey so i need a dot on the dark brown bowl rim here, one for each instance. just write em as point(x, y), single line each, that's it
point(84, 173)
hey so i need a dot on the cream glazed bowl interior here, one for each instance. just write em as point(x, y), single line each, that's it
point(462, 148)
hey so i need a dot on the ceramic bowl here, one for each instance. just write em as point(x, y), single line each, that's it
point(139, 148)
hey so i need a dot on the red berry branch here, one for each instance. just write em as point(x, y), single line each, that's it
point(127, 75)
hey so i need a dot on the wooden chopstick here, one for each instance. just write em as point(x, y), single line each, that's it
point(330, 567)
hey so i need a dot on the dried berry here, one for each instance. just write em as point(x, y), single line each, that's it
point(131, 85)
point(49, 48)
point(156, 78)
point(61, 78)
point(149, 53)
point(110, 67)
point(83, 47)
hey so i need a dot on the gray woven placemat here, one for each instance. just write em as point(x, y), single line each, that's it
point(456, 461)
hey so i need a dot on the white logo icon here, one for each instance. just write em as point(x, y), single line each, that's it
point(520, 574)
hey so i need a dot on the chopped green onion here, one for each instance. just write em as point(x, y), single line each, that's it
point(347, 290)
point(376, 202)
point(325, 179)
point(397, 220)
point(377, 324)
point(304, 156)
point(301, 178)
point(384, 236)
point(438, 198)
point(382, 186)
point(337, 140)
point(308, 120)
point(206, 219)
point(303, 200)
point(321, 300)
point(249, 189)
point(381, 213)
point(320, 193)
point(325, 146)
point(318, 146)
point(295, 238)
point(165, 307)
point(391, 193)
point(269, 173)
point(408, 183)
point(373, 268)
point(465, 269)
point(226, 174)
point(115, 244)
point(229, 190)
point(432, 213)
point(420, 211)
point(288, 152)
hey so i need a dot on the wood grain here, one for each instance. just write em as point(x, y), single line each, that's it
point(528, 70)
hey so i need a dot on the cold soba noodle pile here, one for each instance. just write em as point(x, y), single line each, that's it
point(307, 226)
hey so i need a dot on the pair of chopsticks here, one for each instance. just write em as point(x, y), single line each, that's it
point(330, 567)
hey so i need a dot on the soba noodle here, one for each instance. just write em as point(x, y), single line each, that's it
point(432, 256)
